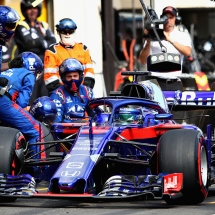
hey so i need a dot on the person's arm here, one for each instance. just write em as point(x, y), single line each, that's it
point(24, 40)
point(50, 38)
point(145, 52)
point(51, 71)
point(89, 74)
point(26, 90)
point(48, 35)
point(185, 50)
point(59, 105)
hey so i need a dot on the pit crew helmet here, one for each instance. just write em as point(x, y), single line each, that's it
point(44, 110)
point(32, 62)
point(66, 30)
point(127, 115)
point(66, 24)
point(8, 21)
point(26, 4)
point(71, 65)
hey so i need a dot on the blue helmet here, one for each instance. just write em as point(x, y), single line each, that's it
point(44, 110)
point(8, 20)
point(66, 24)
point(101, 118)
point(32, 62)
point(71, 65)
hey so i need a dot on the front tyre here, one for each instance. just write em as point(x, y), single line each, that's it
point(10, 140)
point(184, 151)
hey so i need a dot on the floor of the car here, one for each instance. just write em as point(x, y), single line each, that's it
point(42, 186)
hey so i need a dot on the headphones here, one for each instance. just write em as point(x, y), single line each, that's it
point(178, 18)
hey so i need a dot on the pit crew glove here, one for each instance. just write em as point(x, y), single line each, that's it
point(89, 82)
point(17, 62)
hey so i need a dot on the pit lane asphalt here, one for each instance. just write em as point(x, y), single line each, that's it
point(62, 207)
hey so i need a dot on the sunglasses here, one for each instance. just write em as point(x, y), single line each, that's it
point(67, 31)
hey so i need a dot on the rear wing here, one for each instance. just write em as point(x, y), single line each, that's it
point(190, 100)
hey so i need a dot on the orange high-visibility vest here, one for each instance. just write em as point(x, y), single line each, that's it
point(57, 53)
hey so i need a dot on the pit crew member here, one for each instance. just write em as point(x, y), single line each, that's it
point(176, 42)
point(66, 48)
point(72, 98)
point(16, 86)
point(34, 36)
point(8, 21)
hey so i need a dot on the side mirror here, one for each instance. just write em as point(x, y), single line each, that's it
point(165, 116)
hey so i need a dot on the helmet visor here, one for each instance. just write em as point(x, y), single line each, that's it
point(11, 26)
point(49, 118)
point(66, 24)
point(71, 31)
point(126, 117)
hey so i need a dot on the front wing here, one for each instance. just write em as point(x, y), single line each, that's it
point(117, 188)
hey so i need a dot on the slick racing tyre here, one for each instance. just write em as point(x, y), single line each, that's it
point(184, 151)
point(10, 140)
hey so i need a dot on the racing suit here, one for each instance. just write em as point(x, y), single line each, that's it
point(20, 85)
point(69, 104)
point(34, 39)
point(56, 54)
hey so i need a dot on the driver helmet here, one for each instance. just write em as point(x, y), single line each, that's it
point(66, 30)
point(26, 4)
point(32, 62)
point(44, 110)
point(8, 21)
point(71, 65)
point(127, 115)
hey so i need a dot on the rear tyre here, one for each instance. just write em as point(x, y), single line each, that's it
point(184, 151)
point(10, 140)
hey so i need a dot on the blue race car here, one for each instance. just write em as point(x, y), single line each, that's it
point(131, 149)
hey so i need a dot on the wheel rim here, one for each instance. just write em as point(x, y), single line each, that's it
point(204, 166)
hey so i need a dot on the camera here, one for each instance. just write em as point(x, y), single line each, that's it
point(154, 23)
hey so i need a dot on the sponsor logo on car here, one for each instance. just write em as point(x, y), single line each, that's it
point(77, 165)
point(70, 173)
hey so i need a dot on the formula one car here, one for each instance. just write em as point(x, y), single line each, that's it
point(131, 149)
